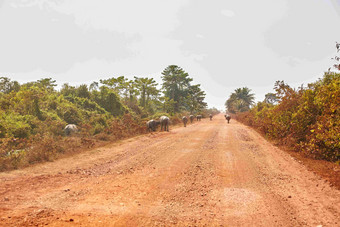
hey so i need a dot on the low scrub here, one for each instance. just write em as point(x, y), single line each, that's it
point(306, 119)
point(21, 152)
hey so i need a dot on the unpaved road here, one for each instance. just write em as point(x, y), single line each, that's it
point(208, 174)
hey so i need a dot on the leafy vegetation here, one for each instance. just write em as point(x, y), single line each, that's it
point(240, 100)
point(33, 115)
point(306, 118)
point(179, 94)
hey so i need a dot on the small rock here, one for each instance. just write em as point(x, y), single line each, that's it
point(6, 199)
point(71, 220)
point(289, 197)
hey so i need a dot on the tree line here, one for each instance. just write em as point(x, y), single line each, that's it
point(141, 96)
point(34, 114)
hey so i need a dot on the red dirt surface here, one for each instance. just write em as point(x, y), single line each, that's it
point(210, 173)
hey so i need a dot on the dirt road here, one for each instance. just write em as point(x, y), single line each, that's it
point(210, 173)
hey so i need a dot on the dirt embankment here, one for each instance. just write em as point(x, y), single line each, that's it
point(209, 173)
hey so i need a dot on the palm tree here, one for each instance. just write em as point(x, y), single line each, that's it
point(240, 101)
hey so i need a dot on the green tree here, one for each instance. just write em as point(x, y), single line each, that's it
point(47, 83)
point(68, 90)
point(147, 88)
point(94, 86)
point(131, 90)
point(271, 98)
point(109, 100)
point(168, 105)
point(117, 84)
point(6, 85)
point(83, 92)
point(240, 100)
point(175, 84)
point(195, 99)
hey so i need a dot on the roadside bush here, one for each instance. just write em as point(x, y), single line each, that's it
point(34, 114)
point(110, 101)
point(14, 125)
point(44, 148)
point(71, 115)
point(306, 119)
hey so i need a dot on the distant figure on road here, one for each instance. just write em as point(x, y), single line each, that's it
point(164, 120)
point(198, 117)
point(210, 116)
point(227, 117)
point(191, 118)
point(185, 120)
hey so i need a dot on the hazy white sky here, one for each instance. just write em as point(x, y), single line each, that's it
point(222, 44)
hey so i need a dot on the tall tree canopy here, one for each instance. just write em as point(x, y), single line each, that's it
point(6, 85)
point(175, 84)
point(195, 99)
point(271, 98)
point(147, 88)
point(117, 84)
point(240, 100)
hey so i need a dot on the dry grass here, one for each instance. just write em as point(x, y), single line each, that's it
point(15, 153)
